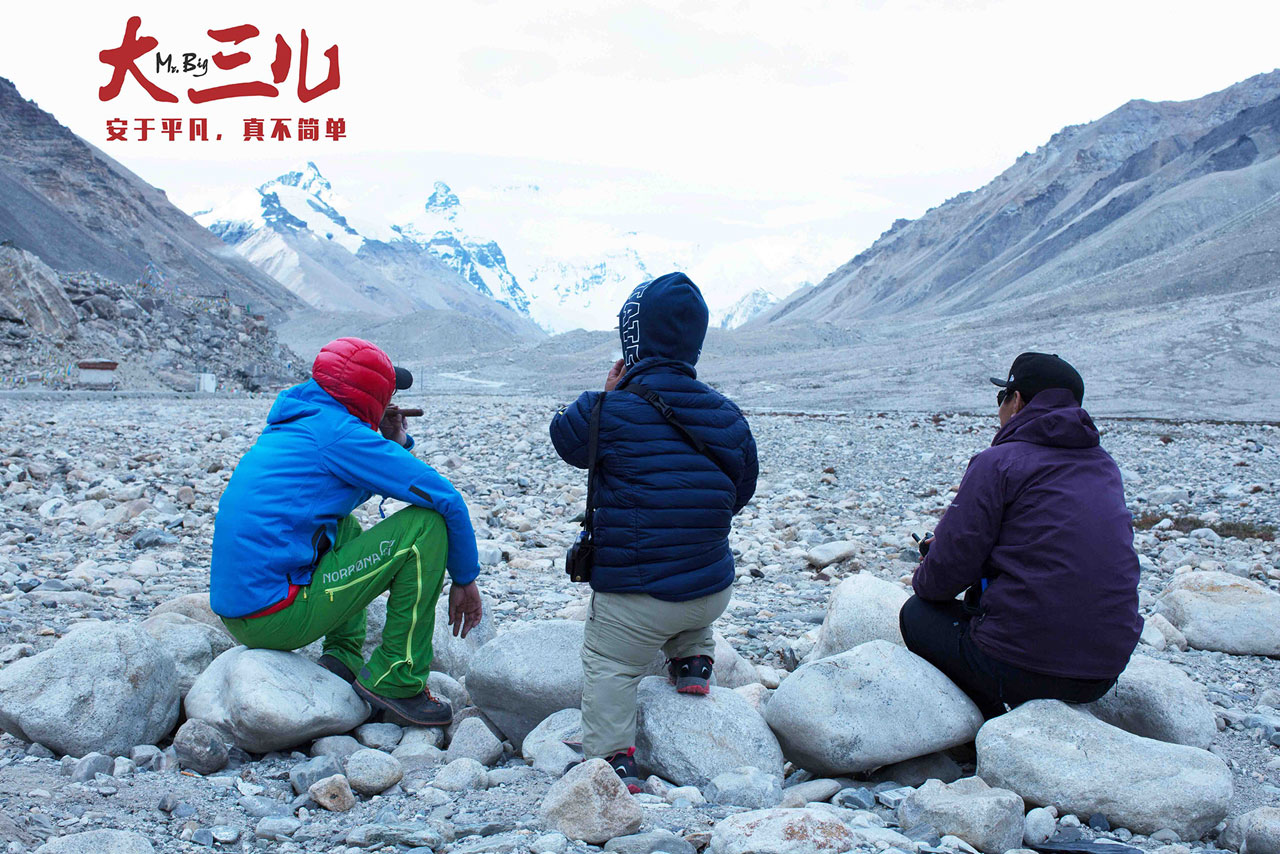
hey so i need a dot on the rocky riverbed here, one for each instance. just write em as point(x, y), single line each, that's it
point(108, 510)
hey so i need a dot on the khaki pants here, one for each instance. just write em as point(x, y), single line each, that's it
point(624, 632)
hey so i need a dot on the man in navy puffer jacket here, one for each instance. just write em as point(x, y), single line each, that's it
point(663, 571)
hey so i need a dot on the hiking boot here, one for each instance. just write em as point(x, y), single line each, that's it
point(337, 668)
point(691, 675)
point(420, 710)
point(624, 763)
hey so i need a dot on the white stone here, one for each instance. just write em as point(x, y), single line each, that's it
point(874, 705)
point(473, 740)
point(781, 831)
point(192, 644)
point(266, 699)
point(98, 842)
point(988, 819)
point(591, 803)
point(545, 746)
point(103, 687)
point(829, 553)
point(1157, 700)
point(193, 605)
point(690, 739)
point(745, 787)
point(461, 775)
point(755, 694)
point(371, 772)
point(1051, 753)
point(731, 669)
point(1221, 612)
point(862, 609)
point(333, 793)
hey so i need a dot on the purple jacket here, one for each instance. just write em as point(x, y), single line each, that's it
point(1041, 514)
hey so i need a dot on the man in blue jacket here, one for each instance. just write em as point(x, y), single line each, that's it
point(663, 571)
point(1040, 540)
point(290, 562)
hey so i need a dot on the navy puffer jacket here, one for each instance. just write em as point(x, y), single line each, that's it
point(663, 510)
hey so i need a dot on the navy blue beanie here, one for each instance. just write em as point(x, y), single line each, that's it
point(666, 317)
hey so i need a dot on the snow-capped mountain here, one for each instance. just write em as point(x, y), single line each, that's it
point(745, 309)
point(293, 228)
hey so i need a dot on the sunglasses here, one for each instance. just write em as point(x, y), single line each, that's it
point(1001, 395)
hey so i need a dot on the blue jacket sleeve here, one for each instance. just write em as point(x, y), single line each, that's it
point(570, 427)
point(364, 458)
point(750, 472)
point(966, 533)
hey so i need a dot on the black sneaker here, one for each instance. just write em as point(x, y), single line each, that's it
point(624, 763)
point(337, 668)
point(420, 710)
point(691, 675)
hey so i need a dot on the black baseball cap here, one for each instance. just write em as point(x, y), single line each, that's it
point(1032, 373)
point(404, 379)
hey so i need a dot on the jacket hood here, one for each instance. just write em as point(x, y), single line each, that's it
point(358, 375)
point(300, 401)
point(665, 318)
point(1052, 418)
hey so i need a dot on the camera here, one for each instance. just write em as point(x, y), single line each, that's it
point(578, 561)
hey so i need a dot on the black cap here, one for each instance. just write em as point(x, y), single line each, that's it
point(404, 379)
point(1032, 373)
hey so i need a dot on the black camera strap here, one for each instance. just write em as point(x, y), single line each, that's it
point(669, 415)
point(593, 447)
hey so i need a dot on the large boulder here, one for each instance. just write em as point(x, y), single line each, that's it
point(192, 644)
point(781, 831)
point(453, 655)
point(874, 705)
point(31, 294)
point(1157, 700)
point(1223, 612)
point(591, 803)
point(691, 739)
point(266, 699)
point(988, 819)
point(863, 608)
point(1254, 832)
point(1053, 754)
point(529, 671)
point(99, 842)
point(105, 687)
point(193, 605)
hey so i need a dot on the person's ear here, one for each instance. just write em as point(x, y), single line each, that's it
point(1018, 402)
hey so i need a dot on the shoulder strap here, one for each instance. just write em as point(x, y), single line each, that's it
point(593, 446)
point(669, 415)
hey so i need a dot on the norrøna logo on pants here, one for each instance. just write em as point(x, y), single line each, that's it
point(384, 550)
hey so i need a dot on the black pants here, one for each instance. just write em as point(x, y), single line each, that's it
point(938, 632)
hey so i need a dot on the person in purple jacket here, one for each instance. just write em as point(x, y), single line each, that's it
point(1040, 542)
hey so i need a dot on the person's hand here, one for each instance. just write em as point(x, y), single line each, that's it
point(394, 426)
point(465, 609)
point(615, 375)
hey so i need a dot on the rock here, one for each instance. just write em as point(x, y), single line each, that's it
point(444, 685)
point(755, 694)
point(862, 609)
point(276, 828)
point(371, 772)
point(689, 739)
point(1038, 825)
point(90, 766)
point(781, 831)
point(591, 804)
point(829, 553)
point(265, 699)
point(549, 843)
point(307, 772)
point(193, 605)
point(855, 798)
point(337, 746)
point(914, 772)
point(874, 705)
point(1172, 637)
point(654, 841)
point(98, 842)
point(545, 746)
point(745, 787)
point(200, 747)
point(452, 654)
point(1051, 753)
point(692, 794)
point(1221, 612)
point(988, 819)
point(1254, 832)
point(1157, 700)
point(731, 670)
point(461, 775)
point(380, 736)
point(809, 792)
point(333, 793)
point(473, 740)
point(104, 686)
point(30, 290)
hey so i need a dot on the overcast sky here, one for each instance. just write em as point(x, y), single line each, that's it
point(779, 116)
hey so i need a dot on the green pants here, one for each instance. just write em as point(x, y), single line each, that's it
point(624, 632)
point(404, 553)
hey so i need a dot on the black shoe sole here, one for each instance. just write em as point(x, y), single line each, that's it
point(337, 668)
point(401, 708)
